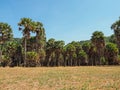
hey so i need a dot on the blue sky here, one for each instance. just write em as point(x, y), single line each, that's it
point(66, 20)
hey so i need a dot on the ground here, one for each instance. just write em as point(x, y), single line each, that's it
point(60, 78)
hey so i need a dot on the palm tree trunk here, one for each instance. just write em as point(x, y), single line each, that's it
point(0, 56)
point(70, 61)
point(1, 52)
point(64, 61)
point(25, 52)
point(37, 40)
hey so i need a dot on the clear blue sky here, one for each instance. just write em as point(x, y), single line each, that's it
point(66, 20)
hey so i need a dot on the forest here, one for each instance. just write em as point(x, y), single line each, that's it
point(35, 51)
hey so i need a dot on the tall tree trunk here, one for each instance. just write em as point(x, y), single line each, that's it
point(64, 60)
point(1, 52)
point(0, 56)
point(25, 52)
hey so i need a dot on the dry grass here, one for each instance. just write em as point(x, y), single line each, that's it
point(60, 78)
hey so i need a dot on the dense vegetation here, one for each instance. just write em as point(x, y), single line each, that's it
point(33, 51)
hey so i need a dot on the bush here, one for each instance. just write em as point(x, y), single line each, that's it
point(103, 61)
point(5, 61)
point(31, 59)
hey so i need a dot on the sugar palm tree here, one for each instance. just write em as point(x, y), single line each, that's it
point(78, 48)
point(116, 27)
point(5, 34)
point(99, 43)
point(111, 53)
point(40, 40)
point(14, 51)
point(40, 35)
point(113, 39)
point(26, 26)
point(93, 56)
point(86, 47)
point(82, 56)
point(58, 50)
point(70, 49)
point(65, 55)
point(50, 52)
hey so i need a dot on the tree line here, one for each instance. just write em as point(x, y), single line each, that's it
point(31, 51)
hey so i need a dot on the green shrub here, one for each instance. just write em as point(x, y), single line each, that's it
point(31, 59)
point(5, 61)
point(103, 61)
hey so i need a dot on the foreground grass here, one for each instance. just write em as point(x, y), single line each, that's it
point(60, 78)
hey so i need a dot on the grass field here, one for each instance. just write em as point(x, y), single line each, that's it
point(60, 78)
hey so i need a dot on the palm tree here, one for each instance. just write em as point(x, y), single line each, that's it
point(93, 56)
point(65, 56)
point(40, 35)
point(5, 34)
point(70, 49)
point(40, 40)
point(58, 50)
point(116, 27)
point(50, 52)
point(86, 47)
point(26, 26)
point(99, 43)
point(82, 56)
point(112, 39)
point(14, 51)
point(111, 53)
point(78, 48)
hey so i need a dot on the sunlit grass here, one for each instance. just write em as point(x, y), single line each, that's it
point(60, 78)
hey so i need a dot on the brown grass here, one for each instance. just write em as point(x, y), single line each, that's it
point(60, 78)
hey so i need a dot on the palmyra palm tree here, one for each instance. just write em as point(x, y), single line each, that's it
point(111, 53)
point(70, 49)
point(116, 27)
point(99, 43)
point(5, 34)
point(26, 26)
point(50, 52)
point(58, 50)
